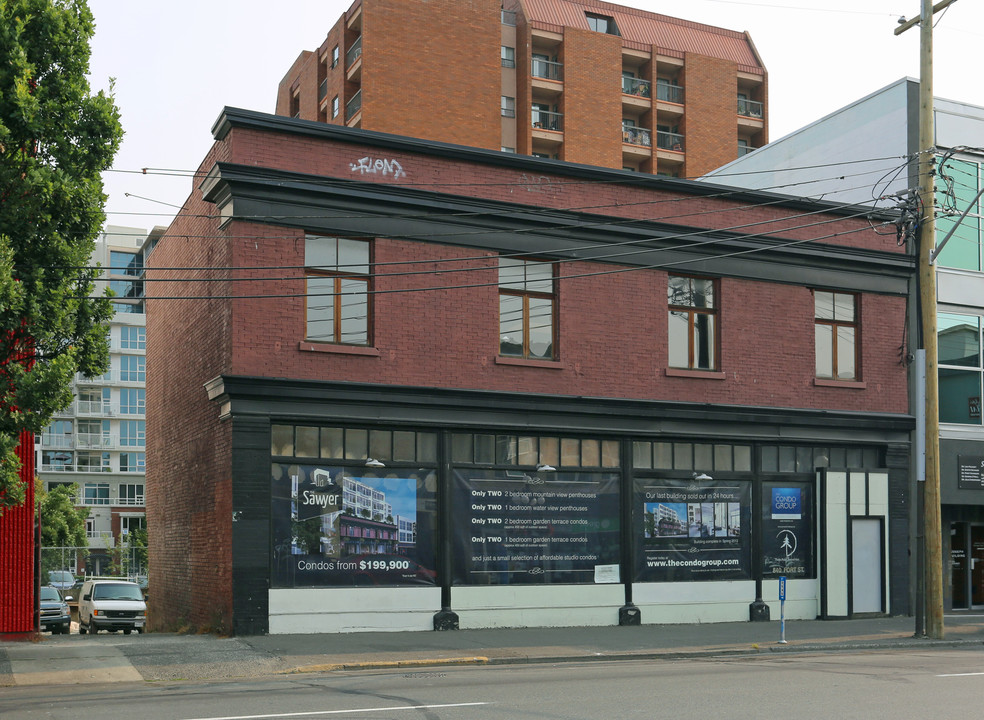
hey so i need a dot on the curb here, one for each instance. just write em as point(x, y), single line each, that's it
point(389, 664)
point(667, 655)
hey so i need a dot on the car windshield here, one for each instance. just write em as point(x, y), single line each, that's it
point(49, 593)
point(116, 591)
point(60, 576)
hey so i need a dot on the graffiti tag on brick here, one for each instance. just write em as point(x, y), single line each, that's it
point(378, 166)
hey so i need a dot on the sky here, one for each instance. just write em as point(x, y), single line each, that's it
point(175, 65)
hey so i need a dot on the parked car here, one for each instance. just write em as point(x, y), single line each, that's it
point(54, 612)
point(110, 604)
point(61, 579)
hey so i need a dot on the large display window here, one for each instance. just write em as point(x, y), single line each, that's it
point(787, 530)
point(690, 530)
point(335, 526)
point(514, 527)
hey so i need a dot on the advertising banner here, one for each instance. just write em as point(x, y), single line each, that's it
point(527, 529)
point(690, 530)
point(787, 530)
point(335, 528)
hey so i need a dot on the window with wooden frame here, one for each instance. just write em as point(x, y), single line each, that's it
point(526, 309)
point(338, 282)
point(693, 323)
point(837, 335)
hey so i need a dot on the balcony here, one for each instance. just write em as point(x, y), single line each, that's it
point(53, 441)
point(637, 87)
point(323, 90)
point(509, 18)
point(354, 52)
point(665, 92)
point(750, 108)
point(353, 107)
point(744, 150)
point(547, 69)
point(632, 135)
point(137, 501)
point(669, 141)
point(544, 120)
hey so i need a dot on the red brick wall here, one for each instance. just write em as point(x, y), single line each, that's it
point(718, 211)
point(295, 79)
point(592, 99)
point(431, 70)
point(710, 124)
point(189, 506)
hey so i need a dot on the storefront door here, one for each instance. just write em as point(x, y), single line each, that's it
point(977, 564)
point(958, 566)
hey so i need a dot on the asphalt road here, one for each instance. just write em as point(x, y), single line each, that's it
point(866, 685)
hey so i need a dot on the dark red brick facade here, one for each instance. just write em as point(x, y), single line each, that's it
point(440, 328)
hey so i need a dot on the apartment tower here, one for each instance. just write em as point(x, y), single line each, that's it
point(577, 80)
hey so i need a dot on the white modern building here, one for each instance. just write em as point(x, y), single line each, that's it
point(865, 153)
point(98, 442)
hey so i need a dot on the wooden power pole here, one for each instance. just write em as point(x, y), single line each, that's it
point(932, 529)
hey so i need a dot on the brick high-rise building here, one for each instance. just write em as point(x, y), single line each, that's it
point(577, 80)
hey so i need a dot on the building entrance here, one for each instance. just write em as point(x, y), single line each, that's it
point(967, 565)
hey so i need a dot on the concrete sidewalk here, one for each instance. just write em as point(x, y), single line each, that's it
point(156, 657)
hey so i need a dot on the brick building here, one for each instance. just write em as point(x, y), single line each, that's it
point(578, 80)
point(533, 365)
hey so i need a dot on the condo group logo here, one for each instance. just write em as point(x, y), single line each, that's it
point(787, 504)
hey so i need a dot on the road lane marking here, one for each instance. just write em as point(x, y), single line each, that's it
point(341, 712)
point(961, 674)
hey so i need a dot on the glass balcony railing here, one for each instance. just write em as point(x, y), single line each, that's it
point(669, 93)
point(636, 136)
point(323, 90)
point(353, 106)
point(636, 86)
point(544, 120)
point(749, 108)
point(744, 150)
point(547, 69)
point(669, 141)
point(509, 18)
point(354, 52)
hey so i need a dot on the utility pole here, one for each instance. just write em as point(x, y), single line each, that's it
point(932, 525)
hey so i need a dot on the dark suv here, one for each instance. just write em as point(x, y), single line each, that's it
point(55, 615)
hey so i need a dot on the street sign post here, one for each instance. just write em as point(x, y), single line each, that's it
point(782, 610)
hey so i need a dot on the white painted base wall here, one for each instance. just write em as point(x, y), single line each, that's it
point(537, 606)
point(725, 601)
point(340, 610)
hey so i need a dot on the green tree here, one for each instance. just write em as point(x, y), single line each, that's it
point(56, 137)
point(62, 526)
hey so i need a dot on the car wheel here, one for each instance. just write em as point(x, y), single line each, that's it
point(140, 631)
point(82, 629)
point(127, 631)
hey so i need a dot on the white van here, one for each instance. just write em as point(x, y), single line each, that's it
point(111, 604)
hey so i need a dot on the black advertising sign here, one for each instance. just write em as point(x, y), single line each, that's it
point(971, 472)
point(787, 530)
point(528, 529)
point(331, 527)
point(692, 530)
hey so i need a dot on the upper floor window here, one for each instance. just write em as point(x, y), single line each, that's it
point(602, 23)
point(133, 401)
point(334, 107)
point(133, 368)
point(508, 57)
point(960, 368)
point(133, 337)
point(334, 56)
point(836, 335)
point(124, 263)
point(508, 106)
point(693, 323)
point(960, 182)
point(337, 290)
point(526, 309)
